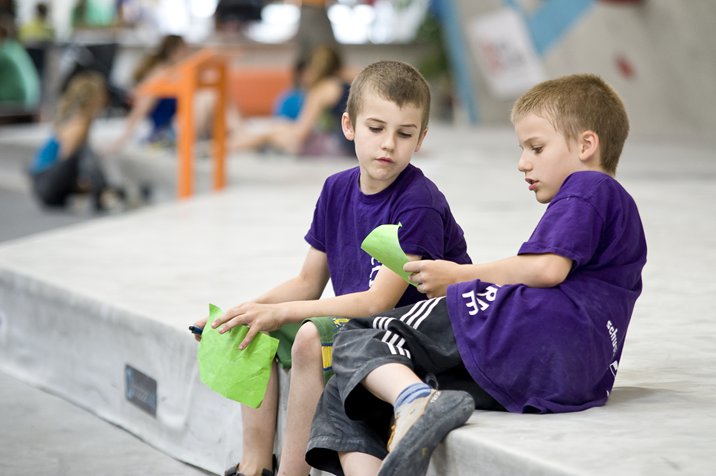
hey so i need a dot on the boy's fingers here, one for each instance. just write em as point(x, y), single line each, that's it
point(411, 267)
point(249, 337)
point(227, 316)
point(228, 326)
point(216, 322)
point(201, 323)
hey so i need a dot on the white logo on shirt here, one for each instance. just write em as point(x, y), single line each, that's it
point(613, 336)
point(614, 367)
point(477, 302)
point(374, 271)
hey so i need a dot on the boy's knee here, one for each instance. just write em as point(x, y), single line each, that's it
point(307, 345)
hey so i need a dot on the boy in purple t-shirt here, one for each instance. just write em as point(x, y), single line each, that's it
point(387, 118)
point(541, 332)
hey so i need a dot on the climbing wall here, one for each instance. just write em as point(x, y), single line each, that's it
point(659, 54)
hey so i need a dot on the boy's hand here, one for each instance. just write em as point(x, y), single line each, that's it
point(432, 276)
point(258, 317)
point(201, 323)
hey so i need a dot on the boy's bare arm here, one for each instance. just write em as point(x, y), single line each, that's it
point(384, 294)
point(534, 270)
point(307, 284)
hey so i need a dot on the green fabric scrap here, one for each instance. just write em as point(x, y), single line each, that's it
point(382, 244)
point(240, 375)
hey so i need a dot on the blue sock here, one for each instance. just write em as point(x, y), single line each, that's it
point(412, 392)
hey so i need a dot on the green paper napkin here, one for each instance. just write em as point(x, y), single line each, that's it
point(383, 245)
point(240, 375)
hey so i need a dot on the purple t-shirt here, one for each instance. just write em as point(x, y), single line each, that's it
point(344, 216)
point(558, 349)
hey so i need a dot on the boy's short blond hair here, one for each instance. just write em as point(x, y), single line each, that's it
point(394, 81)
point(577, 103)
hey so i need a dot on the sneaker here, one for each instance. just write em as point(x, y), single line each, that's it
point(234, 470)
point(111, 199)
point(419, 428)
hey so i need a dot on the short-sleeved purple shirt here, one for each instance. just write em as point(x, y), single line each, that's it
point(558, 349)
point(344, 216)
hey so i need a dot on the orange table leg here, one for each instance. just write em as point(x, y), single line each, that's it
point(182, 83)
point(186, 136)
point(220, 128)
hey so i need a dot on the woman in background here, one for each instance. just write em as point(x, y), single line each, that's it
point(317, 130)
point(159, 111)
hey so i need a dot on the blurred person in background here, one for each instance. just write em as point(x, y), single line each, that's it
point(19, 81)
point(159, 111)
point(38, 28)
point(66, 165)
point(317, 129)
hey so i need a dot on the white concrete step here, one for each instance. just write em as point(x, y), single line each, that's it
point(78, 306)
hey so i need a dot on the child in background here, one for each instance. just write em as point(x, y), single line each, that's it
point(66, 164)
point(539, 332)
point(316, 131)
point(387, 118)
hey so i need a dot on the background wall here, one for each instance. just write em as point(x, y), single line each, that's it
point(659, 54)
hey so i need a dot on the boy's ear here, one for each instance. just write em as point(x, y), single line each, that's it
point(589, 147)
point(347, 126)
point(420, 141)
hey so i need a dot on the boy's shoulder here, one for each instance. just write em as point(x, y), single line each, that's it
point(419, 186)
point(346, 174)
point(590, 185)
point(599, 192)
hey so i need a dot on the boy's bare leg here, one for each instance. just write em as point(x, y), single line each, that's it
point(244, 141)
point(387, 381)
point(420, 424)
point(359, 464)
point(259, 431)
point(303, 395)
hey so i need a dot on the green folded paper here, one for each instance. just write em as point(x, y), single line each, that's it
point(383, 245)
point(240, 375)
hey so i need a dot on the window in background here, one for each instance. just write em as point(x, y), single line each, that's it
point(353, 21)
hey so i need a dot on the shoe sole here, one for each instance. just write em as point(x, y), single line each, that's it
point(446, 411)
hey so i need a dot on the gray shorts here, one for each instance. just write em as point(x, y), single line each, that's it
point(348, 417)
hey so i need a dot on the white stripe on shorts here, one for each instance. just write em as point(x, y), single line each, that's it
point(414, 317)
point(433, 302)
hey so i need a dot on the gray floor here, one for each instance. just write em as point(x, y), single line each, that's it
point(21, 216)
point(41, 434)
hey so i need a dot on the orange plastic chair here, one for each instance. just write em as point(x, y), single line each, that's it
point(203, 69)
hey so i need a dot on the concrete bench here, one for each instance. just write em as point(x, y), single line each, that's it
point(84, 309)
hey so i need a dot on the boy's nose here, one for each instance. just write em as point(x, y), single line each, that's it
point(523, 165)
point(388, 142)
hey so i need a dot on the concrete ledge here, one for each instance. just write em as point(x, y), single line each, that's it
point(78, 304)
